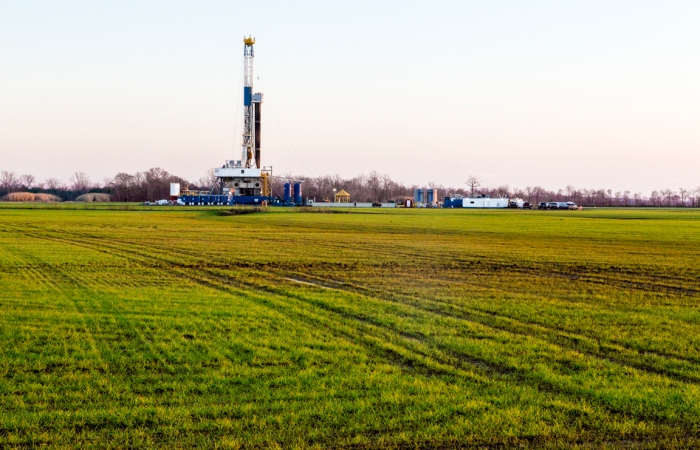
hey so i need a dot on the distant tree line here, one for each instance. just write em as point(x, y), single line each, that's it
point(377, 187)
point(78, 185)
point(150, 185)
point(154, 184)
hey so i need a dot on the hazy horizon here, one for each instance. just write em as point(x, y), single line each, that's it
point(595, 95)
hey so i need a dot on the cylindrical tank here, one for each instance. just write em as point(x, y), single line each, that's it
point(419, 195)
point(287, 192)
point(297, 194)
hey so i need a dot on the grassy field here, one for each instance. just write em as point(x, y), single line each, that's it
point(181, 327)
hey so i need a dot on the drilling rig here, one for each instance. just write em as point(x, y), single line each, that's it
point(246, 177)
point(244, 181)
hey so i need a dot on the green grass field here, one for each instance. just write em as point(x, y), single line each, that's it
point(406, 328)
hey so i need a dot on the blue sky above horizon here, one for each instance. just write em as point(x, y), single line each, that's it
point(593, 94)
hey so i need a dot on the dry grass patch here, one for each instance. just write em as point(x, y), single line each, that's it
point(94, 197)
point(46, 198)
point(30, 197)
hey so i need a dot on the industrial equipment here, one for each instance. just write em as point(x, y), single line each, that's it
point(244, 181)
point(480, 201)
point(425, 197)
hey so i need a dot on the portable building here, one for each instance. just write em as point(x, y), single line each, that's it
point(485, 202)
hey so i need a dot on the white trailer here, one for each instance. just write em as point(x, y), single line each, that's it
point(485, 202)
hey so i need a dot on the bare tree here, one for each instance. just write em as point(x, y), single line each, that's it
point(208, 180)
point(529, 190)
point(80, 181)
point(374, 183)
point(157, 183)
point(8, 181)
point(519, 193)
point(503, 191)
point(655, 198)
point(123, 187)
point(667, 195)
point(569, 192)
point(626, 198)
point(473, 182)
point(684, 194)
point(53, 184)
point(27, 181)
point(638, 199)
point(537, 192)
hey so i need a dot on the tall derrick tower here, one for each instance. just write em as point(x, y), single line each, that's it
point(251, 109)
point(246, 177)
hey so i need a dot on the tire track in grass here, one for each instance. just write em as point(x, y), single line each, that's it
point(541, 385)
point(89, 293)
point(572, 333)
point(567, 271)
point(623, 360)
point(588, 273)
point(161, 358)
point(214, 280)
point(536, 382)
point(375, 344)
point(159, 355)
point(484, 264)
point(568, 394)
point(99, 368)
point(628, 357)
point(142, 255)
point(485, 289)
point(171, 262)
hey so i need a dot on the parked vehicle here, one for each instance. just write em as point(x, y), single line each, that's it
point(554, 205)
point(526, 205)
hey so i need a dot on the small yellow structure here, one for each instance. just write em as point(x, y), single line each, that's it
point(342, 197)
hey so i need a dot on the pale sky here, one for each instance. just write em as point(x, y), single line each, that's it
point(597, 94)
